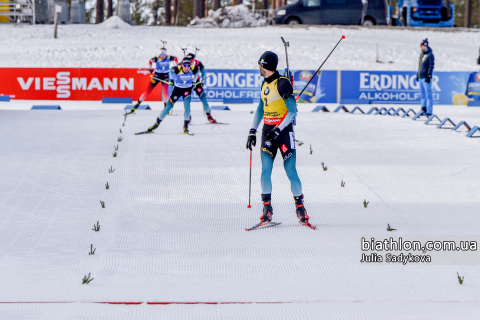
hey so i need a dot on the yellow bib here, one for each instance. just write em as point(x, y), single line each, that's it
point(275, 108)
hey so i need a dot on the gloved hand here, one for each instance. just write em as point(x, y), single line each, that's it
point(427, 80)
point(252, 139)
point(273, 134)
point(151, 70)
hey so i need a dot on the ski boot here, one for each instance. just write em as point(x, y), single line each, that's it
point(210, 118)
point(134, 108)
point(155, 126)
point(185, 126)
point(267, 208)
point(301, 212)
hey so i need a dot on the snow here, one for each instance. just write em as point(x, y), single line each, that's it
point(230, 17)
point(237, 48)
point(173, 226)
point(115, 22)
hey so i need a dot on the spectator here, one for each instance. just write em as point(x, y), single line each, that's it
point(424, 77)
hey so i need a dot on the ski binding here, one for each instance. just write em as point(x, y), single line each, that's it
point(308, 225)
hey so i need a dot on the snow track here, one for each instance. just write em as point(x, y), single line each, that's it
point(173, 226)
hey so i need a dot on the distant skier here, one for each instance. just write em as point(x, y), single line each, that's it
point(159, 66)
point(199, 87)
point(183, 81)
point(278, 108)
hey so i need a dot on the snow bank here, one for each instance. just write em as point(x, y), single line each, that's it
point(230, 17)
point(115, 22)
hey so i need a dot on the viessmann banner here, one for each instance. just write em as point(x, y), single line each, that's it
point(96, 83)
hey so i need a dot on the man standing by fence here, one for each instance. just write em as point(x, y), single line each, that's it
point(424, 77)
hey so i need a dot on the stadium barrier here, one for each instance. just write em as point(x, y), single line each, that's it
point(140, 107)
point(46, 108)
point(116, 100)
point(320, 108)
point(462, 123)
point(444, 121)
point(342, 107)
point(357, 108)
point(472, 132)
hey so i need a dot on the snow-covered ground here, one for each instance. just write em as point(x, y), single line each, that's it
point(174, 218)
point(104, 46)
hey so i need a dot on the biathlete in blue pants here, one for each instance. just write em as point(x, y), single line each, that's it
point(183, 81)
point(278, 108)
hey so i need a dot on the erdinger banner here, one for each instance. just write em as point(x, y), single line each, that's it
point(401, 87)
point(473, 88)
point(73, 83)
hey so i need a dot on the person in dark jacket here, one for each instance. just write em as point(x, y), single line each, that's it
point(424, 76)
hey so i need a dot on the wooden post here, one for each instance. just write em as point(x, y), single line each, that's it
point(468, 9)
point(216, 4)
point(58, 9)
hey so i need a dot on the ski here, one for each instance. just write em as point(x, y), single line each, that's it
point(143, 132)
point(224, 123)
point(190, 134)
point(308, 225)
point(263, 225)
point(172, 114)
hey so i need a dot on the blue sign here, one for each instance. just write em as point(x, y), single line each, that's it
point(473, 88)
point(323, 87)
point(401, 87)
point(245, 85)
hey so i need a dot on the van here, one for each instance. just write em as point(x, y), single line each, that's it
point(343, 12)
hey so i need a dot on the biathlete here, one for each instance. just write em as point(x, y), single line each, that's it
point(199, 90)
point(278, 108)
point(159, 67)
point(183, 81)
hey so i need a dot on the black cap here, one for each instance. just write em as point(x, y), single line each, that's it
point(190, 56)
point(269, 60)
point(186, 60)
point(424, 42)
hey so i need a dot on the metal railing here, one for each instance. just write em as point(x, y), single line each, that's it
point(18, 10)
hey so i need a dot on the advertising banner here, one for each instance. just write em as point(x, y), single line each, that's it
point(73, 83)
point(323, 87)
point(401, 87)
point(473, 88)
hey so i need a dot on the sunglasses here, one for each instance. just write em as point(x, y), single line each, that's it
point(186, 65)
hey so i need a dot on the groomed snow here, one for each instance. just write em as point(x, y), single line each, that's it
point(132, 47)
point(173, 226)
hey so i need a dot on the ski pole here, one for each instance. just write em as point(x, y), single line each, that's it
point(250, 182)
point(286, 44)
point(343, 37)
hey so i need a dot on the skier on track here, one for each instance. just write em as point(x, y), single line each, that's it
point(277, 107)
point(160, 73)
point(183, 81)
point(199, 88)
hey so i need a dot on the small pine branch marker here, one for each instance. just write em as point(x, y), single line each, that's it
point(365, 203)
point(87, 280)
point(460, 279)
point(116, 147)
point(102, 204)
point(96, 227)
point(324, 167)
point(119, 139)
point(114, 154)
point(390, 228)
point(107, 186)
point(111, 170)
point(311, 150)
point(92, 251)
point(342, 184)
point(123, 125)
point(120, 130)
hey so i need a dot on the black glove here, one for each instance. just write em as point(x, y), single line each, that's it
point(427, 80)
point(252, 139)
point(272, 135)
point(151, 70)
